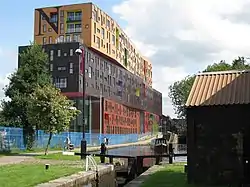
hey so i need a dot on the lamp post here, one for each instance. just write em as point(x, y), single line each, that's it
point(80, 52)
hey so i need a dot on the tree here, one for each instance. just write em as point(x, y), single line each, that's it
point(50, 111)
point(179, 91)
point(33, 71)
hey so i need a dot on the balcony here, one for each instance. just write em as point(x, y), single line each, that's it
point(74, 30)
point(74, 18)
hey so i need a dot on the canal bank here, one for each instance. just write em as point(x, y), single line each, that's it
point(104, 176)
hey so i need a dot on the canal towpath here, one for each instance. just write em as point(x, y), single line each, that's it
point(22, 157)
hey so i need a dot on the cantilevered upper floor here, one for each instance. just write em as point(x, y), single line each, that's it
point(89, 24)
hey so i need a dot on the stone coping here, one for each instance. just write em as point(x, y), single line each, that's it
point(139, 180)
point(80, 178)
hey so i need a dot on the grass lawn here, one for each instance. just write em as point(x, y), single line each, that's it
point(171, 176)
point(59, 156)
point(25, 175)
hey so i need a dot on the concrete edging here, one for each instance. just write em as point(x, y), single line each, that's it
point(139, 180)
point(79, 179)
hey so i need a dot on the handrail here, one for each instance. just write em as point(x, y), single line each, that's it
point(91, 159)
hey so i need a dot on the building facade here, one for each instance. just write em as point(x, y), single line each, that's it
point(117, 101)
point(89, 24)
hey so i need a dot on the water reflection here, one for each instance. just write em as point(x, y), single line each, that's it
point(144, 150)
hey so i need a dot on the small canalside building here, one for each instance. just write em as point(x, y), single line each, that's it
point(218, 123)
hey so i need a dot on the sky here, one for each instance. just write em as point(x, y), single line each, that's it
point(180, 37)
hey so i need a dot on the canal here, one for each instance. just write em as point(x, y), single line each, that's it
point(145, 150)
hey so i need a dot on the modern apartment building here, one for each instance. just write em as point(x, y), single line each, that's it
point(117, 101)
point(88, 24)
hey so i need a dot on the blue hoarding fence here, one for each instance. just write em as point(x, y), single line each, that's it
point(12, 138)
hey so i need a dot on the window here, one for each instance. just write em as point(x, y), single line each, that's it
point(98, 42)
point(51, 67)
point(108, 24)
point(74, 16)
point(44, 28)
point(70, 27)
point(78, 27)
point(61, 38)
point(113, 39)
point(50, 40)
point(61, 13)
point(78, 15)
point(51, 55)
point(95, 28)
point(61, 68)
point(53, 18)
point(103, 33)
point(70, 16)
point(58, 52)
point(74, 28)
point(61, 82)
point(50, 30)
point(44, 40)
point(61, 28)
point(71, 68)
point(71, 52)
point(68, 38)
point(42, 17)
point(90, 72)
point(77, 37)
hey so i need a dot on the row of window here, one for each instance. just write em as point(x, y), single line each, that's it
point(112, 69)
point(119, 130)
point(117, 120)
point(71, 16)
point(59, 53)
point(63, 68)
point(119, 109)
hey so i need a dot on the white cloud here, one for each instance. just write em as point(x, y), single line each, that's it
point(8, 63)
point(182, 37)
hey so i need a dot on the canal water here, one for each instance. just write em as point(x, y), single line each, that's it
point(145, 150)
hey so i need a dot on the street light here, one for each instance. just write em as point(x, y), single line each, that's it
point(80, 52)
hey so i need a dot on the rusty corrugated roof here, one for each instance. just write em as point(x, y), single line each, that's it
point(220, 88)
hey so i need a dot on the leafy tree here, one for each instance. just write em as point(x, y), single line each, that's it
point(50, 111)
point(32, 71)
point(179, 91)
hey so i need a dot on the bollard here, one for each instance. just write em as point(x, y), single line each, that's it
point(157, 160)
point(111, 160)
point(171, 153)
point(47, 166)
point(103, 152)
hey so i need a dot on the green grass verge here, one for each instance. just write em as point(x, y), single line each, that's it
point(59, 156)
point(170, 176)
point(27, 175)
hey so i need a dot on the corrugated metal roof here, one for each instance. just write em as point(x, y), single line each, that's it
point(220, 88)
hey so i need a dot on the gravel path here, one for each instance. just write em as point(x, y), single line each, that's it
point(6, 160)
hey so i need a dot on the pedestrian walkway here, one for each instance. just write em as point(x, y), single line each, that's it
point(6, 160)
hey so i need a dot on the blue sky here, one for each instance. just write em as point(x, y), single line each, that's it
point(17, 26)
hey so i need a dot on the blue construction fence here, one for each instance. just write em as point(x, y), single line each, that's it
point(13, 137)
